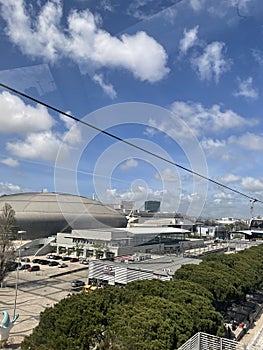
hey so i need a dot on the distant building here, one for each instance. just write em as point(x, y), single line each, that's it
point(152, 206)
point(111, 242)
point(42, 214)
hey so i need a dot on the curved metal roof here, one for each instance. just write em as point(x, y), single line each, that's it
point(46, 213)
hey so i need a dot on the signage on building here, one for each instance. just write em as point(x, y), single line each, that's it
point(108, 270)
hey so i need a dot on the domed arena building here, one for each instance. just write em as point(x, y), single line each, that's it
point(44, 214)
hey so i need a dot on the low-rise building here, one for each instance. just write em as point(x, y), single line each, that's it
point(112, 242)
point(121, 273)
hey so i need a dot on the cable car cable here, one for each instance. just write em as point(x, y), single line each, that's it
point(20, 93)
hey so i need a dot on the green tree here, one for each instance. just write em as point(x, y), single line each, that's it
point(7, 234)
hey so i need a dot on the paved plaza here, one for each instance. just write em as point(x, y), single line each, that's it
point(36, 291)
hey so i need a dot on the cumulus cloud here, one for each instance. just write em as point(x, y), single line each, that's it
point(189, 40)
point(130, 163)
point(251, 184)
point(7, 188)
point(208, 143)
point(73, 135)
point(34, 125)
point(248, 183)
point(231, 178)
point(211, 64)
point(10, 162)
point(248, 141)
point(223, 197)
point(214, 119)
point(245, 89)
point(83, 40)
point(17, 117)
point(107, 88)
point(44, 145)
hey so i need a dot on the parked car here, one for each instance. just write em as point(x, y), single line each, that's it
point(77, 283)
point(53, 263)
point(43, 262)
point(57, 257)
point(49, 256)
point(84, 262)
point(13, 265)
point(35, 261)
point(62, 265)
point(24, 267)
point(34, 268)
point(66, 258)
point(25, 260)
point(74, 260)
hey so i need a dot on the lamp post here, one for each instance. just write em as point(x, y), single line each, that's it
point(17, 269)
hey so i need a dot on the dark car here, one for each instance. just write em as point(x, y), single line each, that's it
point(74, 260)
point(66, 258)
point(53, 263)
point(13, 265)
point(35, 261)
point(43, 262)
point(57, 257)
point(24, 267)
point(25, 260)
point(77, 283)
point(34, 268)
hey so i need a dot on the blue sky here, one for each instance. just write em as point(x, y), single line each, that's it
point(182, 79)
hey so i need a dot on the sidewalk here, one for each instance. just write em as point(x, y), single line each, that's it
point(254, 336)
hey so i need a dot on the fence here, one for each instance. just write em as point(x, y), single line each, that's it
point(204, 341)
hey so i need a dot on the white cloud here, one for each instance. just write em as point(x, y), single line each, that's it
point(225, 198)
point(43, 145)
point(223, 195)
point(189, 40)
point(211, 64)
point(7, 188)
point(10, 162)
point(107, 88)
point(248, 141)
point(167, 175)
point(196, 5)
point(106, 5)
point(220, 8)
point(251, 184)
point(130, 163)
point(248, 183)
point(208, 143)
point(17, 117)
point(83, 40)
point(203, 120)
point(246, 89)
point(73, 135)
point(231, 178)
point(34, 124)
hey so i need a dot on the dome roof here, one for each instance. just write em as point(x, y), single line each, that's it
point(46, 213)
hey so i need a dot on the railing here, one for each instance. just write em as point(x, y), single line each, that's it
point(204, 341)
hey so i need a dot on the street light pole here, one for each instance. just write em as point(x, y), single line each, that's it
point(17, 269)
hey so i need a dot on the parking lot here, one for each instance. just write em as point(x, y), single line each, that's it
point(36, 291)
